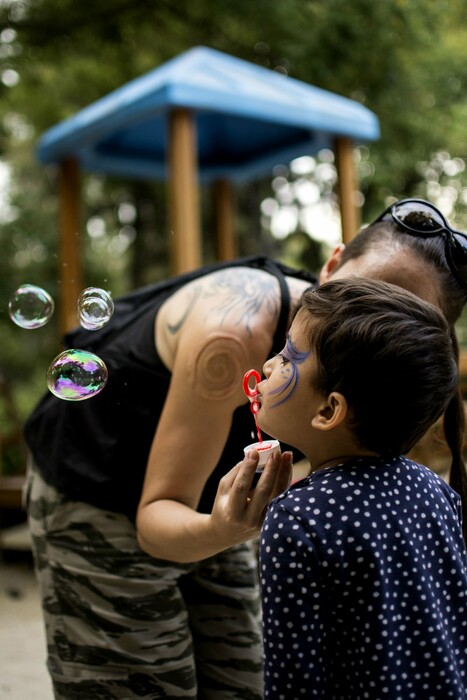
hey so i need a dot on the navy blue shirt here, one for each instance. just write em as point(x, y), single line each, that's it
point(364, 585)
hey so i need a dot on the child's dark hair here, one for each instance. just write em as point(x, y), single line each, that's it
point(389, 353)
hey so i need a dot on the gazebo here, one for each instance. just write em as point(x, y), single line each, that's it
point(207, 117)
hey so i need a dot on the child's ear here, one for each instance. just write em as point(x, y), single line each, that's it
point(331, 413)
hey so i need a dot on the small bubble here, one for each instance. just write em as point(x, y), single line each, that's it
point(30, 306)
point(95, 308)
point(75, 375)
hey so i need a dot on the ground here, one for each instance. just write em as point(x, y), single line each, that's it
point(22, 642)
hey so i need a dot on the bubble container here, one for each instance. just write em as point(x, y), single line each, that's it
point(265, 448)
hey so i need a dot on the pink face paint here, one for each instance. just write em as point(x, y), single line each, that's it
point(252, 393)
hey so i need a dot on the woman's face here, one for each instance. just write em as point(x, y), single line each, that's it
point(399, 266)
point(287, 398)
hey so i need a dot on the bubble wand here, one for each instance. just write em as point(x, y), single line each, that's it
point(265, 448)
point(252, 393)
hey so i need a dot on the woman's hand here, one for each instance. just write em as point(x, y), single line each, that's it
point(238, 511)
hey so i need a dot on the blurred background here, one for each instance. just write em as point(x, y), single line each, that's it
point(405, 61)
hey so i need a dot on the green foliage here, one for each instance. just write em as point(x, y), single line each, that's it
point(407, 61)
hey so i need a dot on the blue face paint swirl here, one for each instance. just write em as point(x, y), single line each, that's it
point(295, 357)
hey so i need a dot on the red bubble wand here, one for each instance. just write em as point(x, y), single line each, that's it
point(252, 393)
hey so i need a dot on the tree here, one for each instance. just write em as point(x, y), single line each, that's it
point(405, 61)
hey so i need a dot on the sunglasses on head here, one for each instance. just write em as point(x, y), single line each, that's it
point(421, 218)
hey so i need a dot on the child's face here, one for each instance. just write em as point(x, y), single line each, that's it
point(287, 397)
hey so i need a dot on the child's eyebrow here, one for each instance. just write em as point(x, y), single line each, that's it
point(291, 353)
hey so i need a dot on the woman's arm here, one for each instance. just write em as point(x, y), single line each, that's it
point(205, 389)
point(172, 530)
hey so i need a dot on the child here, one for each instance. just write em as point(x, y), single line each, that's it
point(363, 564)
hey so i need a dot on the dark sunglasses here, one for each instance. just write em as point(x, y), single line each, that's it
point(421, 218)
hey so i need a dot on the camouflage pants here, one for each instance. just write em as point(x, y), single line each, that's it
point(120, 624)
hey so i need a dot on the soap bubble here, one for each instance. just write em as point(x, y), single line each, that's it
point(75, 375)
point(95, 308)
point(30, 306)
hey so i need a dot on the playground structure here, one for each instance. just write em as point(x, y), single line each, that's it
point(203, 117)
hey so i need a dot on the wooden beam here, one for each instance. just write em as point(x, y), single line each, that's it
point(226, 248)
point(69, 249)
point(185, 238)
point(347, 188)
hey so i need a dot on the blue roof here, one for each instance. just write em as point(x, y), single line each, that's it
point(248, 119)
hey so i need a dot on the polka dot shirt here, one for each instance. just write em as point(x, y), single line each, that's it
point(364, 586)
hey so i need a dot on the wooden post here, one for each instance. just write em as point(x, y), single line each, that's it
point(226, 248)
point(184, 225)
point(69, 251)
point(347, 186)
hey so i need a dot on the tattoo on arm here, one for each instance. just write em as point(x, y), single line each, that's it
point(216, 366)
point(237, 296)
point(174, 327)
point(242, 295)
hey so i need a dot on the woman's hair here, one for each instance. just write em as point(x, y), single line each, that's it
point(453, 296)
point(392, 355)
point(387, 235)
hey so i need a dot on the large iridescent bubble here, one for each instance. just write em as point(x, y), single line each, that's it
point(95, 308)
point(75, 375)
point(30, 306)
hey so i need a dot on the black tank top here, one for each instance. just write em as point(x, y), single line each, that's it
point(97, 450)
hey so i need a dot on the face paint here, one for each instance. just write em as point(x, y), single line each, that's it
point(292, 357)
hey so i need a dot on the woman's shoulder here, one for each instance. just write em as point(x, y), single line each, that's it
point(239, 301)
